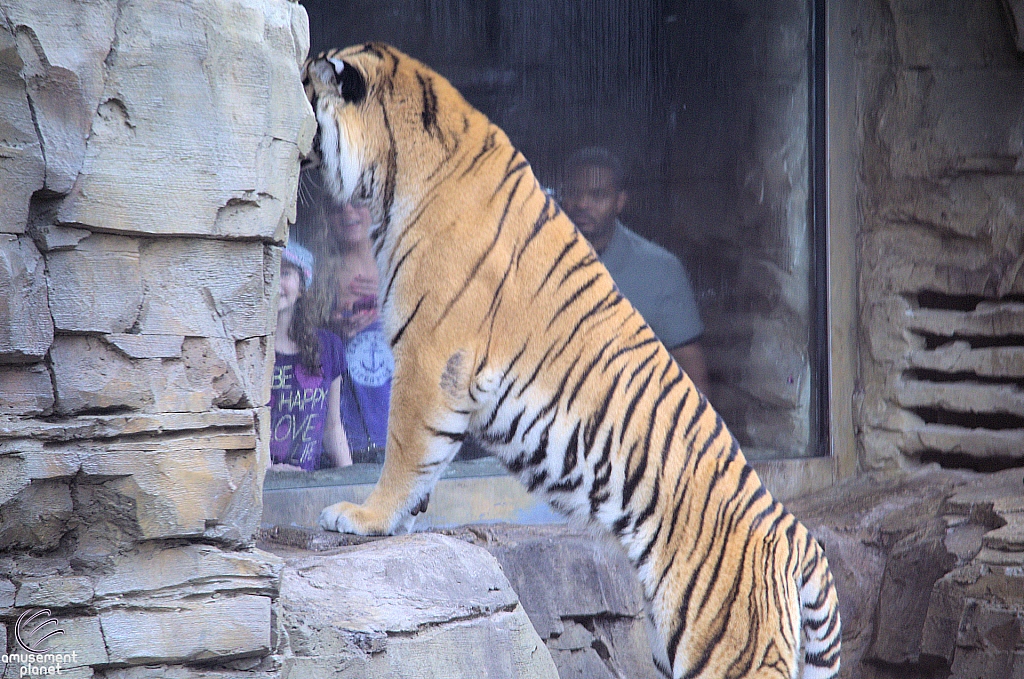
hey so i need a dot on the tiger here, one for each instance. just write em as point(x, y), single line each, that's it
point(506, 328)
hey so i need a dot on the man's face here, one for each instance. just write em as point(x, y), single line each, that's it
point(593, 203)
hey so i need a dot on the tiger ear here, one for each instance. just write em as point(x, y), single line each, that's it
point(351, 83)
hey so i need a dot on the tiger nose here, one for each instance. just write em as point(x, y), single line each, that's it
point(324, 70)
point(338, 66)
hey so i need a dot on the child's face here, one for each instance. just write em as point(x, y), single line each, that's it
point(291, 287)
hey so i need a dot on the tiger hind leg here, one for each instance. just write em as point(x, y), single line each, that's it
point(822, 628)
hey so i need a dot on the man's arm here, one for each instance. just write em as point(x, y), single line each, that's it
point(690, 358)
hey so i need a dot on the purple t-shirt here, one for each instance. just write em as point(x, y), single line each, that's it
point(367, 393)
point(298, 404)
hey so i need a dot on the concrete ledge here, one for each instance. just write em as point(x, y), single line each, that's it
point(472, 491)
point(481, 491)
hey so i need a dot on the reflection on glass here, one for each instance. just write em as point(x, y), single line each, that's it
point(707, 104)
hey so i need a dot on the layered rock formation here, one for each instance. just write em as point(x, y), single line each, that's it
point(941, 245)
point(148, 158)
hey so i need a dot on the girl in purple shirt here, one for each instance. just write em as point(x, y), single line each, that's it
point(309, 364)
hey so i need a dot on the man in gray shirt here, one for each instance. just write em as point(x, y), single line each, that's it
point(648, 275)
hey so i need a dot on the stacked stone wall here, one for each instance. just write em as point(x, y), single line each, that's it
point(942, 242)
point(148, 164)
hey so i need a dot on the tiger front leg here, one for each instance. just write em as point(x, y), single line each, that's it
point(426, 425)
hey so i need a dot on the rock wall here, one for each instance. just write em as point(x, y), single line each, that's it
point(580, 593)
point(941, 96)
point(148, 163)
point(929, 570)
point(408, 607)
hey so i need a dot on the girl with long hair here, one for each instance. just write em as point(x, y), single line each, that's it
point(309, 369)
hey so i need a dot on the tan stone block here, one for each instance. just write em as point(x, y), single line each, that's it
point(958, 356)
point(96, 287)
point(204, 628)
point(110, 426)
point(327, 666)
point(64, 59)
point(976, 443)
point(26, 329)
point(883, 329)
point(951, 35)
point(172, 389)
point(83, 639)
point(58, 592)
point(168, 165)
point(256, 366)
point(13, 472)
point(242, 516)
point(48, 462)
point(1008, 538)
point(881, 450)
point(21, 158)
point(7, 591)
point(986, 640)
point(179, 485)
point(91, 375)
point(36, 517)
point(77, 673)
point(211, 365)
point(978, 206)
point(910, 259)
point(504, 645)
point(205, 288)
point(147, 346)
point(423, 601)
point(40, 462)
point(27, 390)
point(944, 122)
point(51, 237)
point(188, 571)
point(965, 397)
point(992, 320)
point(255, 669)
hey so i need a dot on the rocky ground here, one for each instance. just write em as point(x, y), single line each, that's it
point(930, 570)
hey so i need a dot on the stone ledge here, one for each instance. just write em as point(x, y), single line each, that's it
point(110, 426)
point(420, 605)
point(913, 572)
point(579, 591)
point(204, 628)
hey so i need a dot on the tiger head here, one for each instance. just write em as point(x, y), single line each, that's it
point(385, 121)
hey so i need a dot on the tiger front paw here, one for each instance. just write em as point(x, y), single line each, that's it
point(342, 517)
point(345, 517)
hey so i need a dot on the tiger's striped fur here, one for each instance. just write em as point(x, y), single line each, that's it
point(505, 326)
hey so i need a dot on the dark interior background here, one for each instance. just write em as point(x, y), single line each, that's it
point(706, 101)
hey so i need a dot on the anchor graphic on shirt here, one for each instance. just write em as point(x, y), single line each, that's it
point(376, 359)
point(369, 359)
